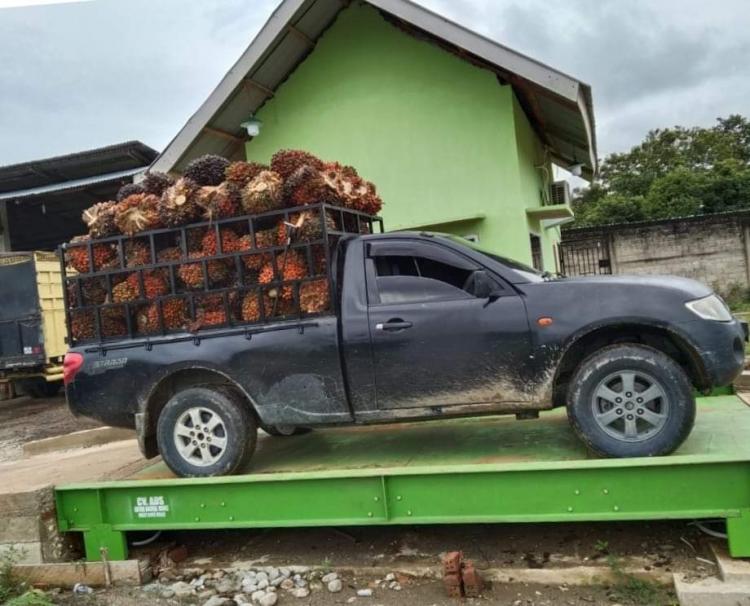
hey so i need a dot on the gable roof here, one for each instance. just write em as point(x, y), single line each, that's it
point(559, 107)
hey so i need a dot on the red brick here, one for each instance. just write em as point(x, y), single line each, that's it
point(452, 562)
point(178, 554)
point(453, 586)
point(472, 582)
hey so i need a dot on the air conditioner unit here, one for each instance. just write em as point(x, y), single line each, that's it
point(559, 192)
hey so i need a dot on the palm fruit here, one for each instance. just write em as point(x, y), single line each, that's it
point(207, 170)
point(137, 253)
point(218, 202)
point(241, 173)
point(156, 182)
point(250, 311)
point(229, 242)
point(77, 257)
point(304, 227)
point(264, 239)
point(314, 296)
point(304, 186)
point(263, 193)
point(93, 292)
point(290, 265)
point(137, 213)
point(113, 321)
point(100, 219)
point(193, 239)
point(82, 325)
point(211, 311)
point(286, 161)
point(191, 274)
point(344, 187)
point(174, 312)
point(128, 190)
point(125, 291)
point(177, 205)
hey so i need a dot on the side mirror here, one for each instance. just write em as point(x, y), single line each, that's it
point(485, 287)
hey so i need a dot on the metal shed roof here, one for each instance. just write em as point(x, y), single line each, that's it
point(60, 170)
point(560, 107)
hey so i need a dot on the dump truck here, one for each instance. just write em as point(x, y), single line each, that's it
point(32, 322)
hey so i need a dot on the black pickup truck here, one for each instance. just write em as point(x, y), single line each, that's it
point(424, 326)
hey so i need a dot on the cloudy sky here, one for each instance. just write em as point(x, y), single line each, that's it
point(84, 74)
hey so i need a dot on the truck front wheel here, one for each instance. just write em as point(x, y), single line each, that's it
point(631, 401)
point(206, 431)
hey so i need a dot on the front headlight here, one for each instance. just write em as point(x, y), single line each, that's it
point(711, 307)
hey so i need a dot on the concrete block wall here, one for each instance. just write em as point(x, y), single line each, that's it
point(712, 249)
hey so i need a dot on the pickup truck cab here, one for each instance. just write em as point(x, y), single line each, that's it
point(424, 326)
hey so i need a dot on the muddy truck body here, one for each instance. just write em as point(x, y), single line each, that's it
point(423, 326)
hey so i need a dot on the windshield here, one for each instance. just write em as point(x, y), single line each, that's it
point(527, 272)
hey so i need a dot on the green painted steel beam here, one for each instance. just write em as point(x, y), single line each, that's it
point(552, 488)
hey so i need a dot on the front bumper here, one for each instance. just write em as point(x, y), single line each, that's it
point(721, 348)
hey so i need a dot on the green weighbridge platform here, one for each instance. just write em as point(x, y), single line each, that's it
point(492, 469)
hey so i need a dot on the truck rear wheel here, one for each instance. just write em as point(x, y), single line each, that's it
point(631, 401)
point(206, 431)
point(39, 387)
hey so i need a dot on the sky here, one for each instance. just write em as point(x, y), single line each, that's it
point(78, 75)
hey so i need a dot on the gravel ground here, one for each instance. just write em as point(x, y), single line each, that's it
point(25, 419)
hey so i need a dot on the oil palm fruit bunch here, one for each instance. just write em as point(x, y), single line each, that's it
point(304, 186)
point(156, 182)
point(229, 242)
point(128, 190)
point(82, 324)
point(314, 296)
point(174, 312)
point(77, 256)
point(137, 213)
point(130, 289)
point(263, 193)
point(136, 253)
point(286, 161)
point(290, 265)
point(100, 219)
point(191, 274)
point(250, 310)
point(113, 321)
point(241, 173)
point(207, 170)
point(178, 205)
point(305, 227)
point(263, 239)
point(93, 292)
point(346, 188)
point(218, 201)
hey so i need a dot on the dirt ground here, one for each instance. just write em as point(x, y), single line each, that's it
point(417, 593)
point(24, 419)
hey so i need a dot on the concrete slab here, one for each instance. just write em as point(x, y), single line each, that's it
point(711, 592)
point(24, 552)
point(113, 461)
point(78, 439)
point(731, 570)
point(93, 574)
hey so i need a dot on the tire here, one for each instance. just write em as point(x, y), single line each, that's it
point(39, 388)
point(613, 425)
point(285, 431)
point(232, 420)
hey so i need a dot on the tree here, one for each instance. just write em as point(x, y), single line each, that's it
point(674, 172)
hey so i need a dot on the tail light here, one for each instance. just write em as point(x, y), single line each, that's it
point(71, 365)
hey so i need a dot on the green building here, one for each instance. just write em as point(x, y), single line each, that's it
point(459, 133)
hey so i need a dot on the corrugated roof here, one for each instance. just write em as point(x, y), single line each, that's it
point(69, 186)
point(79, 165)
point(559, 106)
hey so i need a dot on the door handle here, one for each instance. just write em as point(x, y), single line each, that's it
point(393, 325)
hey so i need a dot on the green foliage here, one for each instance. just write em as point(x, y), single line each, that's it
point(630, 589)
point(30, 598)
point(10, 586)
point(674, 172)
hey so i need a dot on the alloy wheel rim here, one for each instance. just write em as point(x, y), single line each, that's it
point(200, 436)
point(630, 406)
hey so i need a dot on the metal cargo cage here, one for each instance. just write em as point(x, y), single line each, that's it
point(243, 270)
